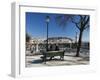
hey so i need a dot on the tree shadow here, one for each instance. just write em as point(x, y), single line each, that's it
point(38, 61)
point(84, 59)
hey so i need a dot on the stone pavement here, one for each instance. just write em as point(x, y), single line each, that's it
point(69, 59)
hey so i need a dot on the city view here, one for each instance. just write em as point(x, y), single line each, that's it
point(54, 39)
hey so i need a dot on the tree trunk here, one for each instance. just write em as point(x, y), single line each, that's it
point(79, 43)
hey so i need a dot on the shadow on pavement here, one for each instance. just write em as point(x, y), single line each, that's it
point(35, 61)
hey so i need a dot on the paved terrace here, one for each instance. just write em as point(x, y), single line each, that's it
point(69, 59)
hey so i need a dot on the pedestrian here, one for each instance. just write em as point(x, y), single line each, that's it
point(32, 48)
point(56, 47)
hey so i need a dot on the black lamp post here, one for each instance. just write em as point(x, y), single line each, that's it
point(47, 22)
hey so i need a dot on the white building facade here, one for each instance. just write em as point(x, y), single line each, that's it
point(37, 44)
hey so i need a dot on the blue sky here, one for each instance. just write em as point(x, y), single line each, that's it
point(36, 27)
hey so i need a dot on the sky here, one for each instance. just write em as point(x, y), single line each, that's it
point(36, 27)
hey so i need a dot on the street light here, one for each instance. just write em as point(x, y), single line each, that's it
point(47, 22)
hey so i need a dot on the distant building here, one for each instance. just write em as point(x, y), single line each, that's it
point(59, 40)
point(38, 44)
point(35, 45)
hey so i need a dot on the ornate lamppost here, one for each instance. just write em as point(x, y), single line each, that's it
point(47, 22)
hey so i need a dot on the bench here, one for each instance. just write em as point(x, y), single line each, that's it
point(52, 54)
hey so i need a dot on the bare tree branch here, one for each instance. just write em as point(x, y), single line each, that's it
point(77, 26)
point(86, 21)
point(86, 26)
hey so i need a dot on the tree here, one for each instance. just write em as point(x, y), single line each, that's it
point(80, 21)
point(28, 37)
